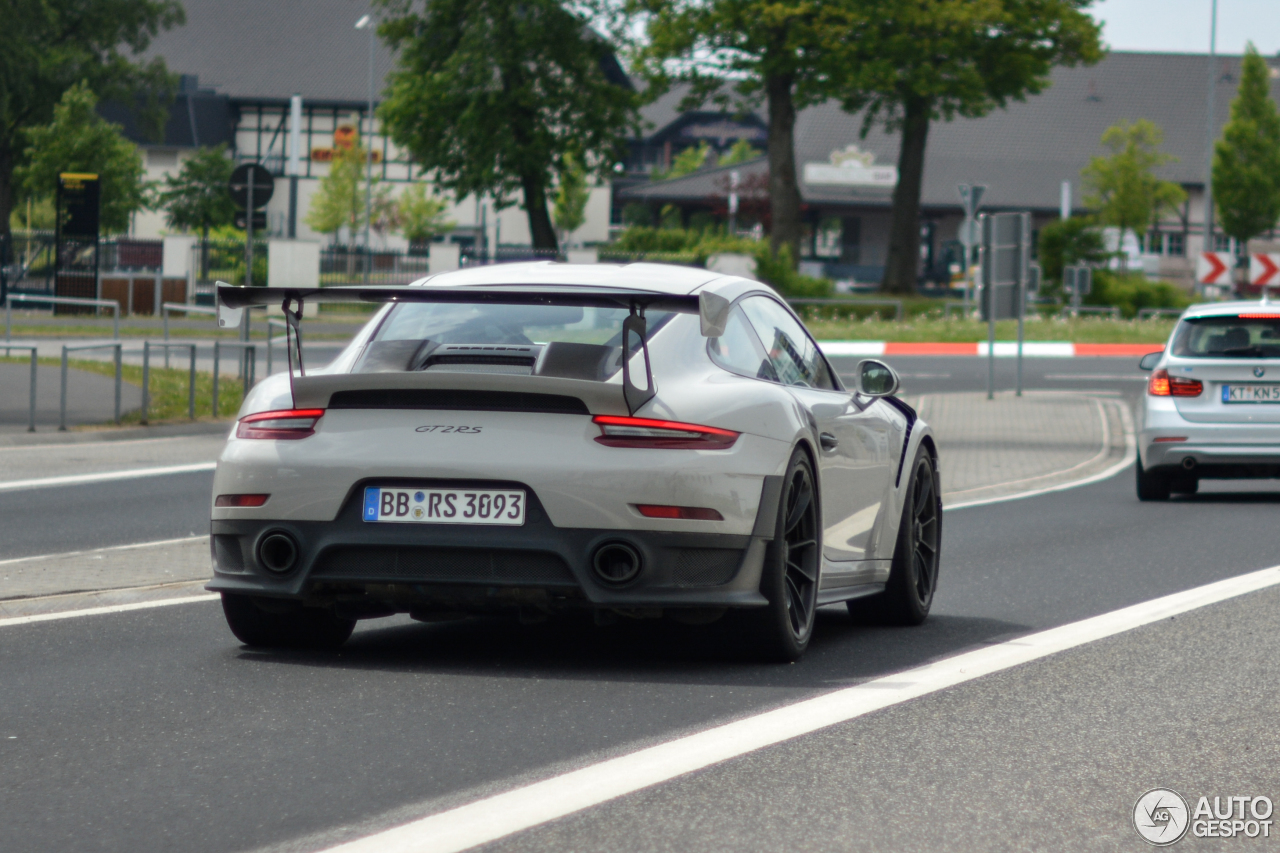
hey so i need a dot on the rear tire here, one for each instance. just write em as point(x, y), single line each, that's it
point(913, 578)
point(1152, 485)
point(781, 631)
point(277, 623)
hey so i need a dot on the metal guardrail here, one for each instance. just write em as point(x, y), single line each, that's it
point(250, 367)
point(1148, 313)
point(899, 310)
point(1072, 311)
point(31, 418)
point(168, 307)
point(62, 405)
point(59, 300)
point(147, 346)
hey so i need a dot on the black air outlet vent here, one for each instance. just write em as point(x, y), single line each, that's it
point(458, 401)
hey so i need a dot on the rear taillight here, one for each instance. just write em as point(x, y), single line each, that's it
point(691, 513)
point(284, 424)
point(240, 500)
point(618, 431)
point(1164, 385)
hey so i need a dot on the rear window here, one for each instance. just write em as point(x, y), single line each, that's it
point(1243, 336)
point(560, 340)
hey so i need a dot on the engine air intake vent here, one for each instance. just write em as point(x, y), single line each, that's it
point(458, 400)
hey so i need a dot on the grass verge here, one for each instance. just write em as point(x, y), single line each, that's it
point(168, 389)
point(927, 329)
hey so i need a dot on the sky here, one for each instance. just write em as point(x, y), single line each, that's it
point(1182, 26)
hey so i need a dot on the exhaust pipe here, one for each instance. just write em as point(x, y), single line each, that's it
point(1189, 463)
point(277, 552)
point(616, 562)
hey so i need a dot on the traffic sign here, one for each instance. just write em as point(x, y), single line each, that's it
point(1214, 268)
point(1078, 280)
point(971, 198)
point(1264, 270)
point(251, 174)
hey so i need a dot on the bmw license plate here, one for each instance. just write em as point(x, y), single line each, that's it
point(444, 506)
point(1251, 393)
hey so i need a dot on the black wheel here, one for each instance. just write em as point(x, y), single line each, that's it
point(276, 623)
point(790, 581)
point(1184, 486)
point(1152, 485)
point(913, 578)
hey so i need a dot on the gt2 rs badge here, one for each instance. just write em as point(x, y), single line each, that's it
point(442, 428)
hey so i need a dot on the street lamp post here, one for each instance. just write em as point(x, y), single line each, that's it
point(366, 23)
point(1209, 126)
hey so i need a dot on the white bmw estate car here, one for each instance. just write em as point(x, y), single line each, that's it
point(1213, 400)
point(638, 441)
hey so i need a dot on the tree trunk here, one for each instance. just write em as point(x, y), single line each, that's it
point(903, 264)
point(535, 205)
point(784, 194)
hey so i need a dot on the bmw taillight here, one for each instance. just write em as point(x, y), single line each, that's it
point(1164, 385)
point(619, 431)
point(283, 424)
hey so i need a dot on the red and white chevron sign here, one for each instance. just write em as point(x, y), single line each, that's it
point(1264, 269)
point(1214, 268)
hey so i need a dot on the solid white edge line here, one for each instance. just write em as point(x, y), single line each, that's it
point(110, 608)
point(503, 814)
point(1130, 454)
point(157, 543)
point(103, 476)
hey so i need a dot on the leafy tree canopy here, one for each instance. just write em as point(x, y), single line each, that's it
point(197, 198)
point(491, 96)
point(422, 215)
point(1246, 161)
point(686, 162)
point(570, 209)
point(741, 152)
point(909, 64)
point(80, 140)
point(1066, 242)
point(48, 46)
point(1123, 187)
point(339, 200)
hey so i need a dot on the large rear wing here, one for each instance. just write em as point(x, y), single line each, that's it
point(712, 311)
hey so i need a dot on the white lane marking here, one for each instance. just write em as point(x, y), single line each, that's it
point(110, 608)
point(154, 544)
point(121, 442)
point(104, 476)
point(503, 814)
point(1130, 454)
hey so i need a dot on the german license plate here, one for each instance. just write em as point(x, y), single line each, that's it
point(1251, 393)
point(444, 506)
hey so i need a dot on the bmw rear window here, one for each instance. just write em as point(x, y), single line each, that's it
point(1234, 336)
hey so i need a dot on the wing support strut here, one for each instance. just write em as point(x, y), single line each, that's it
point(635, 324)
point(293, 341)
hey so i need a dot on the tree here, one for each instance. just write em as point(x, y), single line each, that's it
point(910, 64)
point(570, 209)
point(1122, 187)
point(197, 197)
point(422, 216)
point(491, 96)
point(80, 140)
point(741, 152)
point(339, 200)
point(1066, 242)
point(1246, 161)
point(686, 162)
point(759, 50)
point(48, 46)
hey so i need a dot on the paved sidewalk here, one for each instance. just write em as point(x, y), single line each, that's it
point(988, 449)
point(90, 397)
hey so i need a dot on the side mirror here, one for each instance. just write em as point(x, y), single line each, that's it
point(1150, 360)
point(874, 378)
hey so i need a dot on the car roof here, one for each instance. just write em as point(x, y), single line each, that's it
point(1230, 309)
point(653, 278)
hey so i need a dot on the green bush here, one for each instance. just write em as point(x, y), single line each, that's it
point(1131, 292)
point(694, 246)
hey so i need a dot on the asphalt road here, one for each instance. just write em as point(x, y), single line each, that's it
point(155, 730)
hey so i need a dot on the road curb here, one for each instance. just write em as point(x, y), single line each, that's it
point(1004, 349)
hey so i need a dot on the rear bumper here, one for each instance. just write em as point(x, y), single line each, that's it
point(408, 566)
point(1227, 451)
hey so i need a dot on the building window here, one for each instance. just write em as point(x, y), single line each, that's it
point(828, 237)
point(1176, 245)
point(1155, 243)
point(1221, 243)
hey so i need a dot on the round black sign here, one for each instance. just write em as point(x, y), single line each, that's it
point(263, 185)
